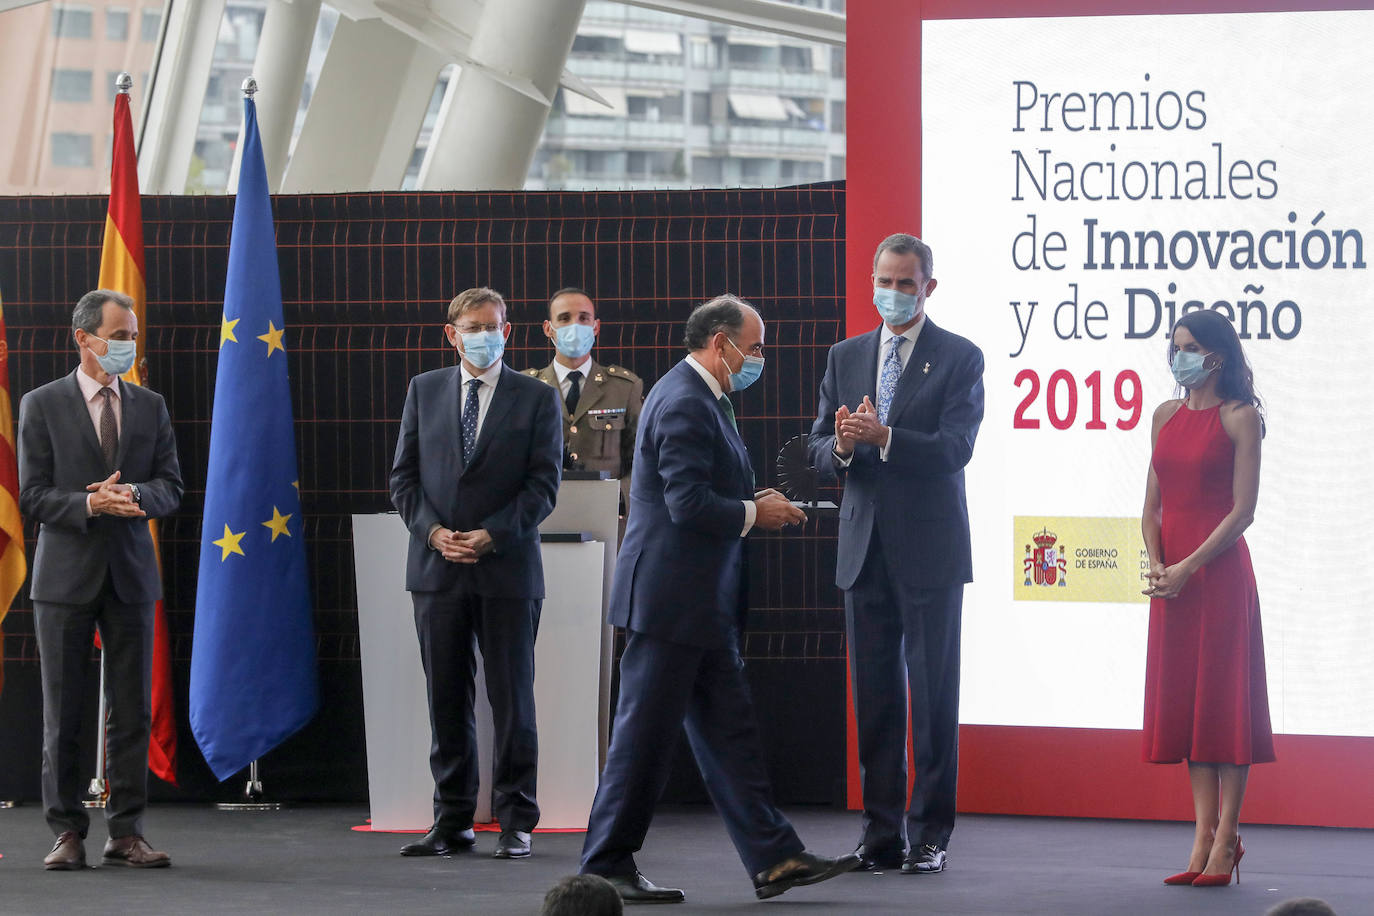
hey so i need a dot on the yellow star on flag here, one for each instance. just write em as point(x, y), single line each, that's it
point(226, 329)
point(278, 523)
point(229, 543)
point(273, 338)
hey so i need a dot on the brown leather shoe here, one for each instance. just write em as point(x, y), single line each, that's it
point(68, 853)
point(134, 852)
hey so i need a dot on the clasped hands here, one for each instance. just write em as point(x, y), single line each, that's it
point(859, 426)
point(461, 546)
point(110, 497)
point(1167, 581)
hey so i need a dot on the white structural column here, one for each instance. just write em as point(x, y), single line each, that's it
point(167, 139)
point(371, 97)
point(488, 132)
point(288, 30)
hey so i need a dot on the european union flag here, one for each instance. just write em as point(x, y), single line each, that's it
point(253, 678)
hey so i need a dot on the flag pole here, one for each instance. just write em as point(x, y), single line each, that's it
point(252, 794)
point(99, 789)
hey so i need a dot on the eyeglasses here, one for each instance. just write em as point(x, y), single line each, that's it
point(476, 328)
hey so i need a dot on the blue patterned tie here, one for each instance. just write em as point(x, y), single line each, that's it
point(887, 382)
point(470, 410)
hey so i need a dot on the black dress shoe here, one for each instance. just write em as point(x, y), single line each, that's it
point(440, 843)
point(803, 868)
point(924, 860)
point(877, 860)
point(638, 889)
point(514, 844)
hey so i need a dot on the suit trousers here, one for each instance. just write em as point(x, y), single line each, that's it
point(65, 633)
point(664, 685)
point(904, 643)
point(449, 625)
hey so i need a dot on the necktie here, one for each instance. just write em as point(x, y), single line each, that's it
point(574, 390)
point(470, 409)
point(729, 411)
point(109, 431)
point(887, 381)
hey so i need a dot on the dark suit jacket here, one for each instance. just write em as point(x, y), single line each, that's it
point(679, 573)
point(508, 487)
point(59, 454)
point(915, 500)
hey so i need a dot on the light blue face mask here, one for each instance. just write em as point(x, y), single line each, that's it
point(483, 348)
point(895, 308)
point(1188, 368)
point(574, 340)
point(119, 357)
point(749, 370)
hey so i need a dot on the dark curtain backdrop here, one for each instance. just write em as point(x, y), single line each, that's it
point(366, 279)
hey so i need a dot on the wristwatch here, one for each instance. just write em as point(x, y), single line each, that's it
point(138, 497)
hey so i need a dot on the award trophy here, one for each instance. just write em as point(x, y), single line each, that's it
point(800, 481)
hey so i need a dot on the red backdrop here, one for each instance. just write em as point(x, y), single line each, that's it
point(1072, 772)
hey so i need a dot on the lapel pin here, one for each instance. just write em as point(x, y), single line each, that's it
point(925, 370)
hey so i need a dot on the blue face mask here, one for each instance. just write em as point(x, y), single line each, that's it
point(749, 370)
point(574, 340)
point(1189, 370)
point(895, 308)
point(483, 348)
point(119, 357)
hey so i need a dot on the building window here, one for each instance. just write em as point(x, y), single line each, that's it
point(837, 62)
point(836, 168)
point(701, 108)
point(72, 151)
point(795, 59)
point(116, 24)
point(72, 21)
point(71, 85)
point(837, 116)
point(705, 54)
point(148, 24)
point(708, 171)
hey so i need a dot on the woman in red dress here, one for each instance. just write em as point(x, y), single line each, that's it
point(1206, 700)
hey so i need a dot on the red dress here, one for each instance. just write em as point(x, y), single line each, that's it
point(1205, 694)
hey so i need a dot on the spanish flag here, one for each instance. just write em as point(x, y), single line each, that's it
point(13, 567)
point(122, 269)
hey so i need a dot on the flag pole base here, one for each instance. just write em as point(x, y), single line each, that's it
point(252, 795)
point(99, 790)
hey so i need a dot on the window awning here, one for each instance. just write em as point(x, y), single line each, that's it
point(757, 39)
point(640, 41)
point(581, 106)
point(757, 107)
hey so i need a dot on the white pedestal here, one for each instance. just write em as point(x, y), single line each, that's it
point(569, 687)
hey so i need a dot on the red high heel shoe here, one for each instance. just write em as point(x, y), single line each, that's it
point(1183, 877)
point(1223, 880)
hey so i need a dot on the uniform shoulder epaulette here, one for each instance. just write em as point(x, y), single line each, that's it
point(622, 372)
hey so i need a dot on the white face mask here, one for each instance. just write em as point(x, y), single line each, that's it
point(119, 355)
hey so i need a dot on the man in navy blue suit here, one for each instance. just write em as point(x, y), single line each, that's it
point(679, 593)
point(477, 468)
point(899, 409)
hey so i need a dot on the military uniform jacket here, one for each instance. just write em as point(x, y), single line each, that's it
point(600, 434)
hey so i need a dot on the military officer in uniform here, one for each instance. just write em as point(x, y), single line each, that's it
point(600, 403)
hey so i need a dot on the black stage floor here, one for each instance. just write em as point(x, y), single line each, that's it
point(308, 860)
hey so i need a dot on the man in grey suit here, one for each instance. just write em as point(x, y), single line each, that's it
point(97, 458)
point(899, 409)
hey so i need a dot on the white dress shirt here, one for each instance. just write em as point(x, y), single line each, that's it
point(904, 354)
point(751, 511)
point(95, 404)
point(562, 371)
point(490, 378)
